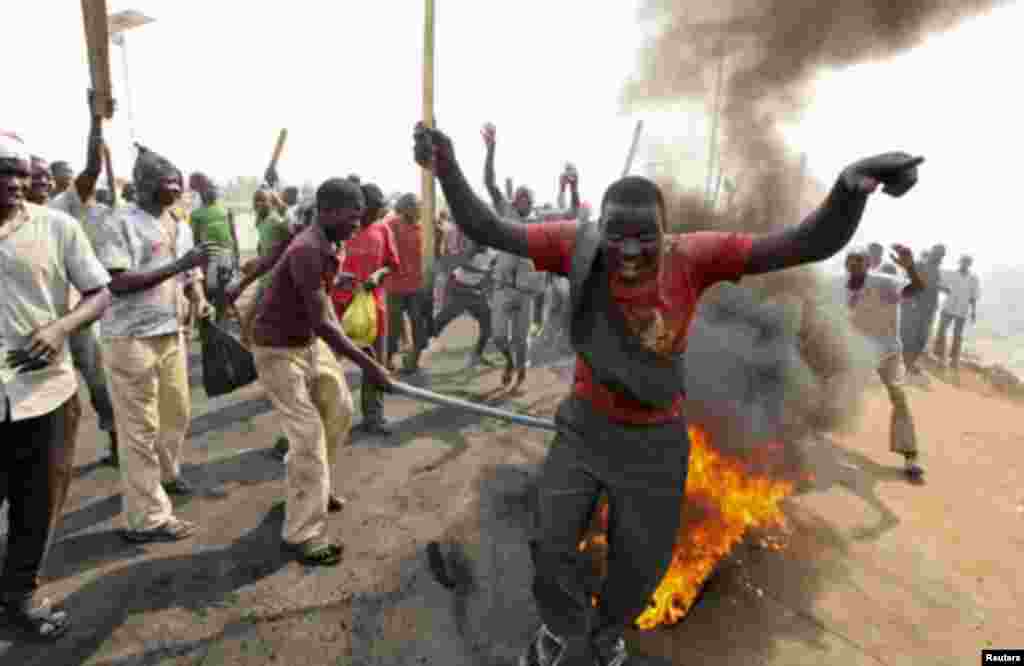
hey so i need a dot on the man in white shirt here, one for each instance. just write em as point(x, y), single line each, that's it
point(874, 300)
point(151, 257)
point(471, 282)
point(43, 253)
point(962, 290)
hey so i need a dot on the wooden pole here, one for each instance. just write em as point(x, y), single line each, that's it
point(428, 192)
point(97, 44)
point(282, 136)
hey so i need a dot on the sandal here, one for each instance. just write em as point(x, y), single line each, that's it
point(42, 622)
point(172, 530)
point(335, 503)
point(316, 552)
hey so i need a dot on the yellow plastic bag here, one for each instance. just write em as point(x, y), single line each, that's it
point(360, 319)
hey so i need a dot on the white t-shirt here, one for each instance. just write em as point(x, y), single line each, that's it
point(962, 290)
point(875, 309)
point(43, 253)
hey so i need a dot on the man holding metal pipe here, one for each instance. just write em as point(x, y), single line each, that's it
point(634, 292)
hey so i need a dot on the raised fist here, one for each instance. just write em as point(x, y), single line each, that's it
point(490, 134)
point(897, 172)
point(432, 149)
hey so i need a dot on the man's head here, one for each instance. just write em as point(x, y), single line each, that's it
point(62, 175)
point(354, 178)
point(339, 207)
point(522, 200)
point(374, 198)
point(209, 195)
point(42, 181)
point(937, 254)
point(966, 261)
point(157, 181)
point(633, 228)
point(290, 195)
point(858, 262)
point(408, 208)
point(15, 174)
point(261, 202)
point(876, 254)
point(197, 181)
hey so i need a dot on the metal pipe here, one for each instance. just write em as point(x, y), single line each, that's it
point(424, 395)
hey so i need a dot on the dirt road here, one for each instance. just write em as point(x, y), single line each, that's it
point(876, 571)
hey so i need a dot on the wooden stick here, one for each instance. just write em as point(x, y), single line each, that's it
point(282, 136)
point(427, 183)
point(97, 42)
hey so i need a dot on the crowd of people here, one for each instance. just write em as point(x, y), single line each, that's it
point(898, 315)
point(108, 285)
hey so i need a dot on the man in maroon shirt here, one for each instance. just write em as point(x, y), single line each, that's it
point(634, 291)
point(296, 335)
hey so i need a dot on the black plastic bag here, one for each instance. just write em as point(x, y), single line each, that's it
point(227, 365)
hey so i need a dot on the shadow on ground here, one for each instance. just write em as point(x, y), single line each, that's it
point(195, 581)
point(489, 616)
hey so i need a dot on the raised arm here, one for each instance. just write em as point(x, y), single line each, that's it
point(490, 134)
point(85, 182)
point(831, 226)
point(129, 282)
point(433, 150)
point(903, 257)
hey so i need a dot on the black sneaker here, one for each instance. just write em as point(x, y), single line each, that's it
point(378, 427)
point(178, 486)
point(545, 649)
point(611, 653)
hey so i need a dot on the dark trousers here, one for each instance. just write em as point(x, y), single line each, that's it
point(958, 338)
point(85, 352)
point(460, 301)
point(371, 399)
point(644, 512)
point(420, 308)
point(35, 471)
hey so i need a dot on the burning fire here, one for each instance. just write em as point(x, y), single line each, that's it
point(724, 498)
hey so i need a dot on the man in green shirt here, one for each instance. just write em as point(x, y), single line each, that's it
point(213, 223)
point(271, 231)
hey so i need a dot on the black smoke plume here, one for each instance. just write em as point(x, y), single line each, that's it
point(774, 358)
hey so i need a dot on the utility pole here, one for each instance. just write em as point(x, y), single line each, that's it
point(715, 119)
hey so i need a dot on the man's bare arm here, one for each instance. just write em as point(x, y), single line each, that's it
point(85, 182)
point(829, 228)
point(89, 309)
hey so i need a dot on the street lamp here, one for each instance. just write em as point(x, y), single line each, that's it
point(120, 23)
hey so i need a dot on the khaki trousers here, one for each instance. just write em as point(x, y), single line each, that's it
point(902, 435)
point(308, 389)
point(148, 380)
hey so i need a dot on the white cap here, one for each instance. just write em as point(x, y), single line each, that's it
point(13, 148)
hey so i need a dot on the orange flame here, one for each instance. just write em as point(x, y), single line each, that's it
point(724, 498)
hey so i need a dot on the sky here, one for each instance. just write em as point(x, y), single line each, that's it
point(211, 84)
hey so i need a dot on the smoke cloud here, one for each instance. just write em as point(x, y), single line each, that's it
point(775, 357)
